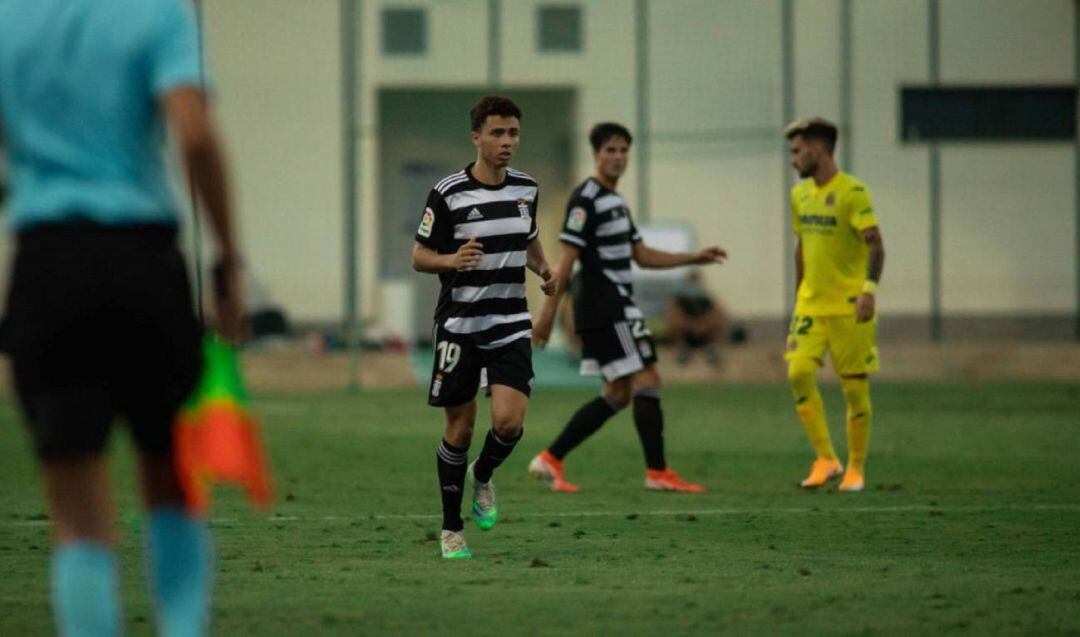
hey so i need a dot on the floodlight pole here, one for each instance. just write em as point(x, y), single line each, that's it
point(494, 70)
point(350, 166)
point(787, 96)
point(1076, 163)
point(934, 71)
point(641, 70)
point(846, 97)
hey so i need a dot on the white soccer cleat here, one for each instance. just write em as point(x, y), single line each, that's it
point(453, 545)
point(485, 511)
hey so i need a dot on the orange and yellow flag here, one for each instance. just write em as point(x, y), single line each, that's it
point(216, 436)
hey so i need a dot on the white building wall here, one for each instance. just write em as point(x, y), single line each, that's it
point(275, 66)
point(716, 167)
point(889, 40)
point(1008, 218)
point(715, 111)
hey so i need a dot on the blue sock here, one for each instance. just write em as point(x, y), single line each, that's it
point(181, 571)
point(85, 589)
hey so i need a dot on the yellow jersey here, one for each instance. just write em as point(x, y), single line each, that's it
point(829, 221)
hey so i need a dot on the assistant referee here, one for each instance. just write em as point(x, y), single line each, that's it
point(99, 321)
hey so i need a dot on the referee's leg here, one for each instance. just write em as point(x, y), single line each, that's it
point(85, 580)
point(80, 499)
point(179, 549)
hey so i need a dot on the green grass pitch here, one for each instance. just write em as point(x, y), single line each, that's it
point(970, 523)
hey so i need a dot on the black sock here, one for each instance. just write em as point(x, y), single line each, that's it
point(452, 462)
point(585, 422)
point(649, 420)
point(495, 450)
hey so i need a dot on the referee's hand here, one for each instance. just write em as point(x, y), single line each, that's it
point(229, 310)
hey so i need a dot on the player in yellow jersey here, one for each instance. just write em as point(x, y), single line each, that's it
point(839, 256)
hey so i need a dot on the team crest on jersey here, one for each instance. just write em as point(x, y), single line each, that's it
point(523, 208)
point(427, 222)
point(831, 199)
point(436, 386)
point(576, 220)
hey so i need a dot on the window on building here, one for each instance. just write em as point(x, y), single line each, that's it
point(987, 113)
point(560, 28)
point(404, 31)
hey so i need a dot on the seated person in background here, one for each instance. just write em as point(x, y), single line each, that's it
point(696, 321)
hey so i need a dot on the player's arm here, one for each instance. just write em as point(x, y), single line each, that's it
point(798, 264)
point(535, 261)
point(426, 259)
point(199, 147)
point(534, 251)
point(560, 277)
point(875, 265)
point(647, 257)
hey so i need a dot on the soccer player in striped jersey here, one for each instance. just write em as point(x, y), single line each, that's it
point(478, 233)
point(616, 343)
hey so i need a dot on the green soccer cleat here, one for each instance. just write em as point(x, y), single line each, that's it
point(485, 512)
point(454, 547)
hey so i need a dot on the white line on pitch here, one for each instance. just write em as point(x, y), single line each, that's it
point(703, 512)
point(915, 508)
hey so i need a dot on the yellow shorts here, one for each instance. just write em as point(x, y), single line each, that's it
point(851, 345)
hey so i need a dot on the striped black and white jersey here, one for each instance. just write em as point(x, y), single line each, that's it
point(598, 222)
point(488, 301)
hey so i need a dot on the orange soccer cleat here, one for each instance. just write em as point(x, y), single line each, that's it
point(853, 480)
point(668, 480)
point(821, 472)
point(549, 469)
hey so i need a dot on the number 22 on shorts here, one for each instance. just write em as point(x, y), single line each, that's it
point(800, 325)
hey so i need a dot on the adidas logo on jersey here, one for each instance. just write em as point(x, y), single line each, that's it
point(474, 214)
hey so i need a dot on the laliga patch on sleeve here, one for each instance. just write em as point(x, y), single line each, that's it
point(426, 223)
point(576, 220)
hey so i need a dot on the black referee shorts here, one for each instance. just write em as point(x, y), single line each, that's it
point(100, 324)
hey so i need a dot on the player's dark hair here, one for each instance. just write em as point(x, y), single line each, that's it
point(816, 128)
point(603, 132)
point(492, 105)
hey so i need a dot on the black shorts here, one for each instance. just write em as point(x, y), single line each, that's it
point(617, 351)
point(461, 368)
point(100, 324)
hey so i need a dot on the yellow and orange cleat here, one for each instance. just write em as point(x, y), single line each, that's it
point(668, 480)
point(821, 472)
point(853, 480)
point(549, 469)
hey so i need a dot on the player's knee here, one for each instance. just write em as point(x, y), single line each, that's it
point(802, 373)
point(508, 424)
point(856, 391)
point(618, 396)
point(508, 429)
point(647, 378)
point(618, 392)
point(459, 430)
point(616, 402)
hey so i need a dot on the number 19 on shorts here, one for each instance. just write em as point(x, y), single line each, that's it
point(447, 357)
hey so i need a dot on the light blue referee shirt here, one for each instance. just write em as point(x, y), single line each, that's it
point(80, 82)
